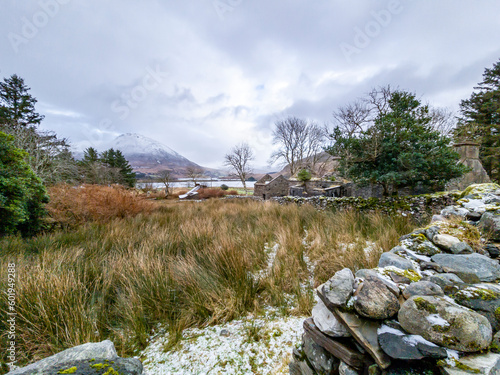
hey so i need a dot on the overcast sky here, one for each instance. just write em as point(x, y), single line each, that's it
point(203, 75)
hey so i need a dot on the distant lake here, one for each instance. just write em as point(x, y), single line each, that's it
point(189, 183)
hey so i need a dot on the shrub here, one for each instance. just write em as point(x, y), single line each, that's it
point(207, 193)
point(224, 187)
point(75, 205)
point(22, 194)
point(232, 192)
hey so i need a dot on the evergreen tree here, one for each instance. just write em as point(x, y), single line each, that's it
point(480, 120)
point(17, 106)
point(400, 148)
point(22, 193)
point(120, 169)
point(90, 155)
point(128, 176)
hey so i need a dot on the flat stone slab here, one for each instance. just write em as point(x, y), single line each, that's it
point(399, 345)
point(485, 268)
point(364, 332)
point(327, 322)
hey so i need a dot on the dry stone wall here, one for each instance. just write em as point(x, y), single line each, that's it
point(432, 306)
point(420, 206)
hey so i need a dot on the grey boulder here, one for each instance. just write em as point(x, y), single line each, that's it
point(367, 274)
point(482, 300)
point(390, 259)
point(461, 248)
point(464, 266)
point(423, 288)
point(339, 288)
point(445, 279)
point(454, 211)
point(374, 300)
point(445, 323)
point(490, 222)
point(445, 241)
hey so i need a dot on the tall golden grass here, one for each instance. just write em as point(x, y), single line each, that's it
point(178, 264)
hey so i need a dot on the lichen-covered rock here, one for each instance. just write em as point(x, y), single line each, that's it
point(339, 288)
point(423, 288)
point(390, 259)
point(322, 361)
point(445, 323)
point(490, 222)
point(374, 300)
point(487, 364)
point(483, 300)
point(98, 366)
point(104, 350)
point(483, 267)
point(327, 322)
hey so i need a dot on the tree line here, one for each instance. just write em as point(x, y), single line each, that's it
point(32, 159)
point(390, 138)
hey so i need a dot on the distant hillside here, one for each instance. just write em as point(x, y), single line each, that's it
point(149, 156)
point(326, 163)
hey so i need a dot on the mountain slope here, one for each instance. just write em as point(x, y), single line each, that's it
point(148, 156)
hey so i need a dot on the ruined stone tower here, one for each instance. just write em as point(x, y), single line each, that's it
point(469, 156)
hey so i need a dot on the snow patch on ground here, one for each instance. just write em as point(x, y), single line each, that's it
point(205, 351)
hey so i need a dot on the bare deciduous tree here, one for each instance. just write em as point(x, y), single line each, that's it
point(166, 177)
point(48, 156)
point(298, 140)
point(194, 173)
point(239, 159)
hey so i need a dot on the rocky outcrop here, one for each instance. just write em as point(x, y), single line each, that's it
point(433, 300)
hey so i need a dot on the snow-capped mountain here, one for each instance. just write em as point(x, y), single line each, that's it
point(147, 155)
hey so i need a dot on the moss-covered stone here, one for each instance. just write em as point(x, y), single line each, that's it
point(70, 370)
point(423, 304)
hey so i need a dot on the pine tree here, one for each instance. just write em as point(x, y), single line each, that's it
point(480, 120)
point(128, 176)
point(400, 149)
point(17, 106)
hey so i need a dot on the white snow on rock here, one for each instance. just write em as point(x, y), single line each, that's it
point(435, 319)
point(205, 351)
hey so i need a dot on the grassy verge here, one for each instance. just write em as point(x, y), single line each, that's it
point(182, 265)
